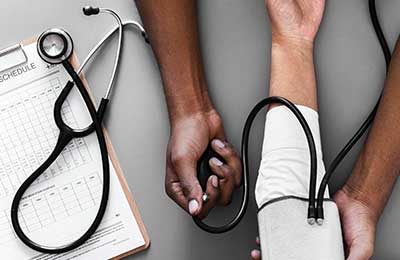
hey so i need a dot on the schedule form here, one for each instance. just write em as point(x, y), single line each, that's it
point(62, 203)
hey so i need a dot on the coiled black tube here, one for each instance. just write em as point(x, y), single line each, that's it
point(367, 123)
point(245, 164)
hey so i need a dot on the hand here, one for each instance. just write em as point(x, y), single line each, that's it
point(297, 20)
point(190, 137)
point(359, 225)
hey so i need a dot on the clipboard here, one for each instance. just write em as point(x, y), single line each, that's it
point(19, 58)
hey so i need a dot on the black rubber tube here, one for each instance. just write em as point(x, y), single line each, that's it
point(66, 135)
point(367, 123)
point(245, 164)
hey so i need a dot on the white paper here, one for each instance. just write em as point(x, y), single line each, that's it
point(62, 203)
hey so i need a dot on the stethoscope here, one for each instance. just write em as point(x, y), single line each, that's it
point(315, 213)
point(55, 46)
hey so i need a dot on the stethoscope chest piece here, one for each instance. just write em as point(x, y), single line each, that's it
point(55, 46)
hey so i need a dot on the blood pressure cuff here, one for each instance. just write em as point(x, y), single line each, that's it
point(284, 177)
point(285, 164)
point(286, 235)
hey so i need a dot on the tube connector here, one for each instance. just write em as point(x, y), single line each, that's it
point(320, 212)
point(311, 218)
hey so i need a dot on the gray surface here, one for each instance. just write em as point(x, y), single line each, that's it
point(235, 42)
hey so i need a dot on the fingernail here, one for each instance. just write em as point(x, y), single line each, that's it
point(257, 240)
point(216, 162)
point(205, 197)
point(214, 181)
point(193, 207)
point(219, 143)
point(255, 254)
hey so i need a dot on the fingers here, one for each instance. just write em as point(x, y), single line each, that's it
point(174, 190)
point(213, 196)
point(255, 254)
point(231, 157)
point(226, 180)
point(360, 251)
point(183, 186)
point(189, 185)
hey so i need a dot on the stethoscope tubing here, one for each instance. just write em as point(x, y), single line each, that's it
point(108, 36)
point(65, 136)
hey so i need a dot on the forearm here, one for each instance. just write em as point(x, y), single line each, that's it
point(292, 72)
point(378, 164)
point(292, 77)
point(173, 32)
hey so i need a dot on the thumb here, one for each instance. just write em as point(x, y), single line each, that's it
point(361, 250)
point(191, 188)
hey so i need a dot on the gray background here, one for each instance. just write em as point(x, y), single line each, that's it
point(235, 40)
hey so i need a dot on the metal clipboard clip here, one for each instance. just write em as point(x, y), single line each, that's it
point(11, 57)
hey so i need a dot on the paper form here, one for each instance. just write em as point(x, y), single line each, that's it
point(62, 203)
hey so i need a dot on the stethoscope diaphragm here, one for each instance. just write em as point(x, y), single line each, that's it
point(55, 46)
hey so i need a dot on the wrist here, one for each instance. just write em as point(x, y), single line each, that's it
point(295, 51)
point(363, 198)
point(208, 124)
point(191, 100)
point(205, 114)
point(292, 42)
point(372, 181)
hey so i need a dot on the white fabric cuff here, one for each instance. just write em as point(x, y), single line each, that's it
point(285, 162)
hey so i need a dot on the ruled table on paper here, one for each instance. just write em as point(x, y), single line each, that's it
point(62, 203)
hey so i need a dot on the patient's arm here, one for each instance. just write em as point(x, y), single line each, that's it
point(294, 25)
point(292, 72)
point(364, 196)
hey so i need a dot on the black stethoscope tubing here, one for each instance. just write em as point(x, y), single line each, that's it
point(67, 133)
point(65, 136)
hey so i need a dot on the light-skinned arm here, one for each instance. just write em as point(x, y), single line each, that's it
point(294, 25)
point(362, 199)
point(173, 33)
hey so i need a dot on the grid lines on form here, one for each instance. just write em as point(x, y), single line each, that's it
point(53, 205)
point(28, 134)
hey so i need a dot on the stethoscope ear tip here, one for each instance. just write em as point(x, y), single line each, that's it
point(90, 10)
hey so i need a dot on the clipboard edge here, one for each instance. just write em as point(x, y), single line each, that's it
point(131, 201)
